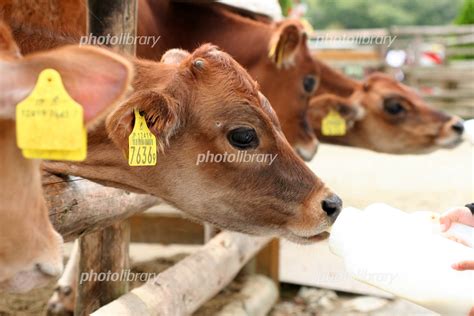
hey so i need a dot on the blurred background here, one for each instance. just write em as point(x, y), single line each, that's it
point(433, 52)
point(428, 45)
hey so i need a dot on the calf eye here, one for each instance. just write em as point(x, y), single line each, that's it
point(243, 138)
point(393, 107)
point(309, 83)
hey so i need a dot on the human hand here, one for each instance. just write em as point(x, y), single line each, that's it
point(463, 265)
point(460, 215)
point(464, 216)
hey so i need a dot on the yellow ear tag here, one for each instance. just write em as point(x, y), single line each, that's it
point(272, 50)
point(279, 58)
point(279, 54)
point(141, 144)
point(333, 124)
point(49, 123)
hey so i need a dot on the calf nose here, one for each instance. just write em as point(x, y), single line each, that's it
point(332, 205)
point(458, 127)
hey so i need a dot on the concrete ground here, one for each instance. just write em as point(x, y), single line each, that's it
point(434, 181)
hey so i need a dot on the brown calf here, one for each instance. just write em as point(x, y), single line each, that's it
point(276, 55)
point(30, 249)
point(206, 103)
point(195, 104)
point(386, 115)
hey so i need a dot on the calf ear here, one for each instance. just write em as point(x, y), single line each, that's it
point(284, 44)
point(162, 114)
point(320, 106)
point(8, 46)
point(8, 51)
point(174, 56)
point(94, 77)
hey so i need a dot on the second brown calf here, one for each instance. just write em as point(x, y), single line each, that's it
point(387, 116)
point(30, 248)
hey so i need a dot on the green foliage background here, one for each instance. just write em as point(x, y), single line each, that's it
point(466, 16)
point(383, 13)
point(285, 6)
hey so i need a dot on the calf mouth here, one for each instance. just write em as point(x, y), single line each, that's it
point(449, 142)
point(306, 239)
point(24, 281)
point(306, 153)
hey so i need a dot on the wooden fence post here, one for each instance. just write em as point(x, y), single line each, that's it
point(104, 260)
point(105, 253)
point(266, 262)
point(115, 17)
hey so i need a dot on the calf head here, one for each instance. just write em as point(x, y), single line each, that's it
point(397, 120)
point(289, 77)
point(30, 248)
point(205, 104)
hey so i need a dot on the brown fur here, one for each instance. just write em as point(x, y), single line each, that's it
point(47, 20)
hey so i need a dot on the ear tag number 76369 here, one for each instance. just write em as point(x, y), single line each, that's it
point(141, 144)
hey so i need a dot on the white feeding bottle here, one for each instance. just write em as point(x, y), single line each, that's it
point(405, 254)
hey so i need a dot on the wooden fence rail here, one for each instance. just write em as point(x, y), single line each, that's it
point(183, 288)
point(78, 206)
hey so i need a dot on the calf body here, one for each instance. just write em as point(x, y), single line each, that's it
point(30, 249)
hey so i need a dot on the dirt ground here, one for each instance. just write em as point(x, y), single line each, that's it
point(435, 182)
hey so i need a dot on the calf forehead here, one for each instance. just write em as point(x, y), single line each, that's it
point(225, 72)
point(234, 92)
point(389, 86)
point(268, 110)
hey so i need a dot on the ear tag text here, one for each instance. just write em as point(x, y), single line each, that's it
point(49, 123)
point(141, 144)
point(333, 124)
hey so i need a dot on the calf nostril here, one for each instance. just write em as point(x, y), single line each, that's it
point(458, 127)
point(332, 205)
